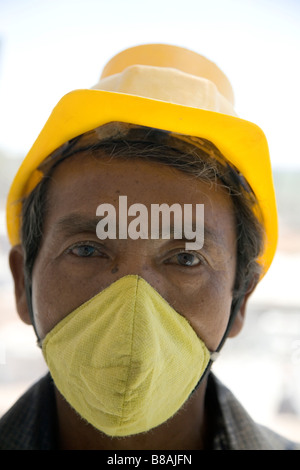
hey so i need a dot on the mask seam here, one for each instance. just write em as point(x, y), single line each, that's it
point(130, 363)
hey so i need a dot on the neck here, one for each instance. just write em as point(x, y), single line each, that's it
point(186, 430)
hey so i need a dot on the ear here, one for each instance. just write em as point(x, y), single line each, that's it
point(16, 262)
point(240, 317)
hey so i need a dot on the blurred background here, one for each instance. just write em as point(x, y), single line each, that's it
point(50, 47)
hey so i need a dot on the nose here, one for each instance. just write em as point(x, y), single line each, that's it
point(138, 262)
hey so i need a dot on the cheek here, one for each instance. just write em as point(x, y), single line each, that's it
point(47, 301)
point(53, 295)
point(208, 311)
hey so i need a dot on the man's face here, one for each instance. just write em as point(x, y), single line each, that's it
point(73, 265)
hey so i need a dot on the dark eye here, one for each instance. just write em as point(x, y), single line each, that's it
point(85, 251)
point(187, 259)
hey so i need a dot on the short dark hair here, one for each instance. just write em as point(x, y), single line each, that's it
point(194, 156)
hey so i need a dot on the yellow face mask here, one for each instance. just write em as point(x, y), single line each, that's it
point(125, 360)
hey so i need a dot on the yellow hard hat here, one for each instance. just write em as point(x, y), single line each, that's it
point(164, 87)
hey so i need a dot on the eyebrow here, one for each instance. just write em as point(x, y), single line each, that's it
point(75, 223)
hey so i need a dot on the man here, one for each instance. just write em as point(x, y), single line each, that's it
point(140, 221)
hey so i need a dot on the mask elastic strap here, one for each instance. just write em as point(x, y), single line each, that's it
point(236, 305)
point(215, 354)
point(29, 304)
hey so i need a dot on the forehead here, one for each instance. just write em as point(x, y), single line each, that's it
point(81, 183)
point(85, 179)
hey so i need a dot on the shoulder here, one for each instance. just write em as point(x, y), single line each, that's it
point(242, 432)
point(30, 423)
